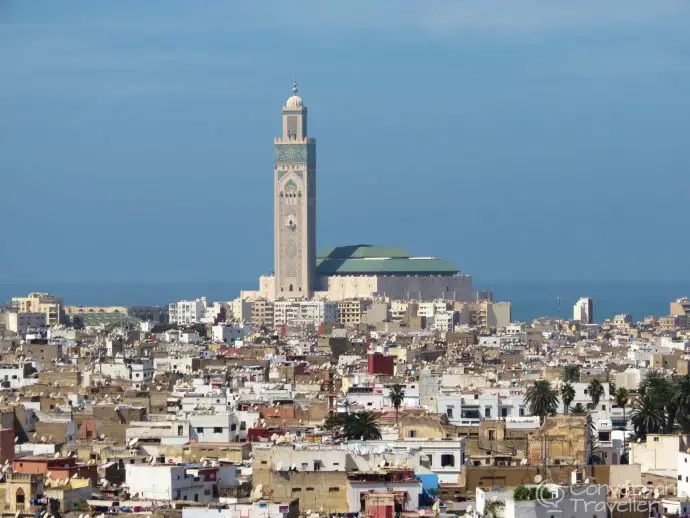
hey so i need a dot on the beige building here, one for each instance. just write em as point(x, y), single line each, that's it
point(351, 311)
point(680, 307)
point(87, 310)
point(262, 313)
point(486, 314)
point(51, 306)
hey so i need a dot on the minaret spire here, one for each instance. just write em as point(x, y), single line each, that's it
point(294, 86)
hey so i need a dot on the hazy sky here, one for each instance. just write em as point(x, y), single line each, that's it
point(518, 139)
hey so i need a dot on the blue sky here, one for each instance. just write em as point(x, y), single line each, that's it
point(518, 139)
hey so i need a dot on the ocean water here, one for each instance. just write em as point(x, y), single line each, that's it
point(529, 299)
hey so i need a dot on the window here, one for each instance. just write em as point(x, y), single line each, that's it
point(447, 460)
point(411, 434)
point(233, 427)
point(449, 411)
point(296, 489)
point(310, 489)
point(333, 489)
point(603, 407)
point(217, 429)
point(207, 492)
point(487, 412)
point(656, 439)
point(318, 466)
point(200, 429)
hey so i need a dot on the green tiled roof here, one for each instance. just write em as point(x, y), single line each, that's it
point(104, 319)
point(371, 259)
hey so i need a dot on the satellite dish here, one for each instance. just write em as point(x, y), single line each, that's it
point(586, 481)
point(537, 479)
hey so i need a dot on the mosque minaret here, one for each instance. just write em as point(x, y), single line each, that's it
point(295, 204)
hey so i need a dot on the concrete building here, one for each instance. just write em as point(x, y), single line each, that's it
point(263, 313)
point(51, 306)
point(21, 322)
point(11, 375)
point(180, 482)
point(658, 452)
point(680, 307)
point(583, 311)
point(229, 333)
point(187, 312)
point(683, 469)
point(304, 312)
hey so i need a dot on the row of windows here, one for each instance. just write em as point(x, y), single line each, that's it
point(330, 489)
point(219, 429)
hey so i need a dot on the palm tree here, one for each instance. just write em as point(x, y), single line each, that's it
point(648, 415)
point(397, 396)
point(662, 391)
point(541, 399)
point(578, 409)
point(682, 395)
point(571, 373)
point(596, 390)
point(362, 426)
point(567, 395)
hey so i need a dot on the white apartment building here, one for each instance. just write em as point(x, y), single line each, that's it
point(214, 427)
point(11, 375)
point(429, 309)
point(683, 468)
point(159, 432)
point(583, 311)
point(659, 452)
point(469, 408)
point(170, 482)
point(187, 312)
point(444, 320)
point(138, 371)
point(230, 332)
point(304, 312)
point(212, 313)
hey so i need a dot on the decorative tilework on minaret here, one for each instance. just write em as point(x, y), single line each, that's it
point(295, 204)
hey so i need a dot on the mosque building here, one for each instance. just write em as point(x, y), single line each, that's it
point(342, 272)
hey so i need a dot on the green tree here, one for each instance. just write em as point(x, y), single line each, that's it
point(682, 395)
point(362, 426)
point(578, 409)
point(397, 396)
point(648, 415)
point(541, 399)
point(571, 373)
point(596, 390)
point(662, 390)
point(567, 395)
point(491, 508)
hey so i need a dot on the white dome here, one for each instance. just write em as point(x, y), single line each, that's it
point(294, 102)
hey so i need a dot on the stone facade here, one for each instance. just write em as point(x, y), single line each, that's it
point(295, 204)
